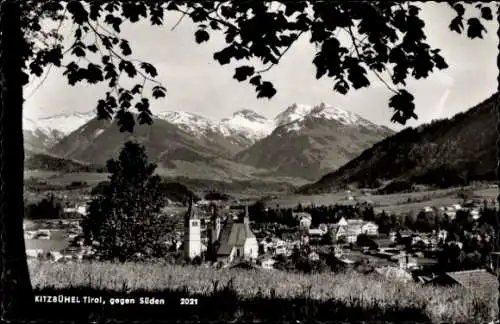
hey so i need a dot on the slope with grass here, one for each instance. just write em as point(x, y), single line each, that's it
point(347, 296)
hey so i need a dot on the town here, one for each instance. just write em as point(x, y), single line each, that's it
point(439, 245)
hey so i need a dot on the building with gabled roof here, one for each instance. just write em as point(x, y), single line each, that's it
point(470, 279)
point(237, 241)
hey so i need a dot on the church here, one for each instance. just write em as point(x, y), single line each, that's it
point(234, 241)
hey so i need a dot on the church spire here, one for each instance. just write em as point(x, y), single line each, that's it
point(246, 217)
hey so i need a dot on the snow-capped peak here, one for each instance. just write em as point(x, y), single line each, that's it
point(298, 112)
point(66, 122)
point(340, 115)
point(61, 123)
point(249, 123)
point(193, 123)
point(292, 113)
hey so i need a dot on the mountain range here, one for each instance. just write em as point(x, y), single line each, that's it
point(300, 144)
point(442, 153)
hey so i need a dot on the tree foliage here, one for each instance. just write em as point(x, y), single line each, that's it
point(124, 219)
point(384, 38)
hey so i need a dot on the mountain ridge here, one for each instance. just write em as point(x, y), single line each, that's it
point(444, 152)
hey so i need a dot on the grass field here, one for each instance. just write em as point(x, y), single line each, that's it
point(365, 295)
point(394, 202)
point(63, 178)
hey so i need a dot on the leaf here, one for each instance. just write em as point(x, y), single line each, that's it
point(475, 28)
point(142, 105)
point(159, 91)
point(149, 69)
point(54, 56)
point(266, 90)
point(102, 110)
point(320, 70)
point(404, 106)
point(125, 47)
point(125, 120)
point(78, 49)
point(224, 56)
point(459, 8)
point(78, 12)
point(137, 89)
point(93, 48)
point(256, 80)
point(145, 118)
point(341, 87)
point(128, 67)
point(214, 25)
point(457, 25)
point(125, 96)
point(486, 13)
point(156, 16)
point(243, 72)
point(356, 74)
point(201, 36)
point(440, 62)
point(36, 69)
point(94, 73)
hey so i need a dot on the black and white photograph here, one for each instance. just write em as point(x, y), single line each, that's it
point(250, 161)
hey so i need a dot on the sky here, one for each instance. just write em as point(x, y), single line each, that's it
point(198, 84)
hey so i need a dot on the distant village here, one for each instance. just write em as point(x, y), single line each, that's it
point(221, 233)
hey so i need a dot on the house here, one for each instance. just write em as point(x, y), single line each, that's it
point(315, 232)
point(428, 209)
point(268, 263)
point(470, 279)
point(304, 219)
point(280, 250)
point(342, 222)
point(42, 234)
point(352, 228)
point(383, 243)
point(237, 240)
point(406, 261)
point(450, 214)
point(33, 253)
point(266, 244)
point(442, 235)
point(369, 228)
point(313, 256)
point(475, 214)
point(352, 233)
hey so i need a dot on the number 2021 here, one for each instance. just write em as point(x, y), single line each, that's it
point(189, 301)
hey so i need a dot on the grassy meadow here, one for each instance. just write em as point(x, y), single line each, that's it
point(396, 203)
point(237, 294)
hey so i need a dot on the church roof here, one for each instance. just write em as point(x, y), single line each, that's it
point(234, 234)
point(191, 214)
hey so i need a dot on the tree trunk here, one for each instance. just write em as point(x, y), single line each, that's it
point(15, 281)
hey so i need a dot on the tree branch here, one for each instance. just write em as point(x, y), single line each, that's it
point(113, 52)
point(354, 39)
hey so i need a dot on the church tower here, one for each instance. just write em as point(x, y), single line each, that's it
point(192, 233)
point(214, 231)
